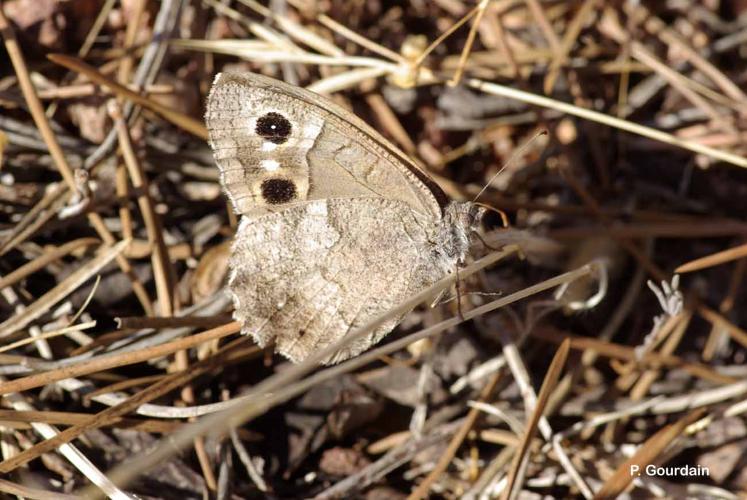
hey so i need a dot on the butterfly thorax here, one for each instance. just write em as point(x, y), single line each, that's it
point(460, 221)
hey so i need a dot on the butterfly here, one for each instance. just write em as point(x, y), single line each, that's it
point(337, 224)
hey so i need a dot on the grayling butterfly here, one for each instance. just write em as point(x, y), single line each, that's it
point(337, 224)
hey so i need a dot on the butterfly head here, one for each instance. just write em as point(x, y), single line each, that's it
point(461, 220)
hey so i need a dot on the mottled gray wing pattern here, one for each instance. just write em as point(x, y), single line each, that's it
point(308, 275)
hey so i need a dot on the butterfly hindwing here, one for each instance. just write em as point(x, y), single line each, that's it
point(327, 272)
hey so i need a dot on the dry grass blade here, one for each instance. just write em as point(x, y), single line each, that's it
point(264, 52)
point(443, 462)
point(111, 361)
point(111, 415)
point(481, 8)
point(159, 254)
point(179, 119)
point(656, 26)
point(40, 214)
point(548, 385)
point(139, 323)
point(569, 38)
point(71, 453)
point(713, 260)
point(595, 116)
point(47, 335)
point(610, 26)
point(626, 353)
point(297, 31)
point(665, 230)
point(34, 493)
point(59, 292)
point(360, 40)
point(72, 418)
point(547, 31)
point(346, 80)
point(14, 51)
point(699, 399)
point(447, 33)
point(717, 319)
point(44, 259)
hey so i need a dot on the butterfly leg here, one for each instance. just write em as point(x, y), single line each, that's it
point(485, 243)
point(458, 285)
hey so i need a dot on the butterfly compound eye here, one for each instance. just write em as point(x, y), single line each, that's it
point(276, 191)
point(273, 127)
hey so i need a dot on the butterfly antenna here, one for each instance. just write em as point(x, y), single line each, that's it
point(516, 154)
point(501, 213)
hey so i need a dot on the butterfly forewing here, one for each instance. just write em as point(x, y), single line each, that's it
point(276, 144)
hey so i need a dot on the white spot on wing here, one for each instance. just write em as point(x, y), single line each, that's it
point(316, 209)
point(270, 165)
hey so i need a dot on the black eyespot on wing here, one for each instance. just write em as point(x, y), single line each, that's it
point(273, 127)
point(277, 191)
